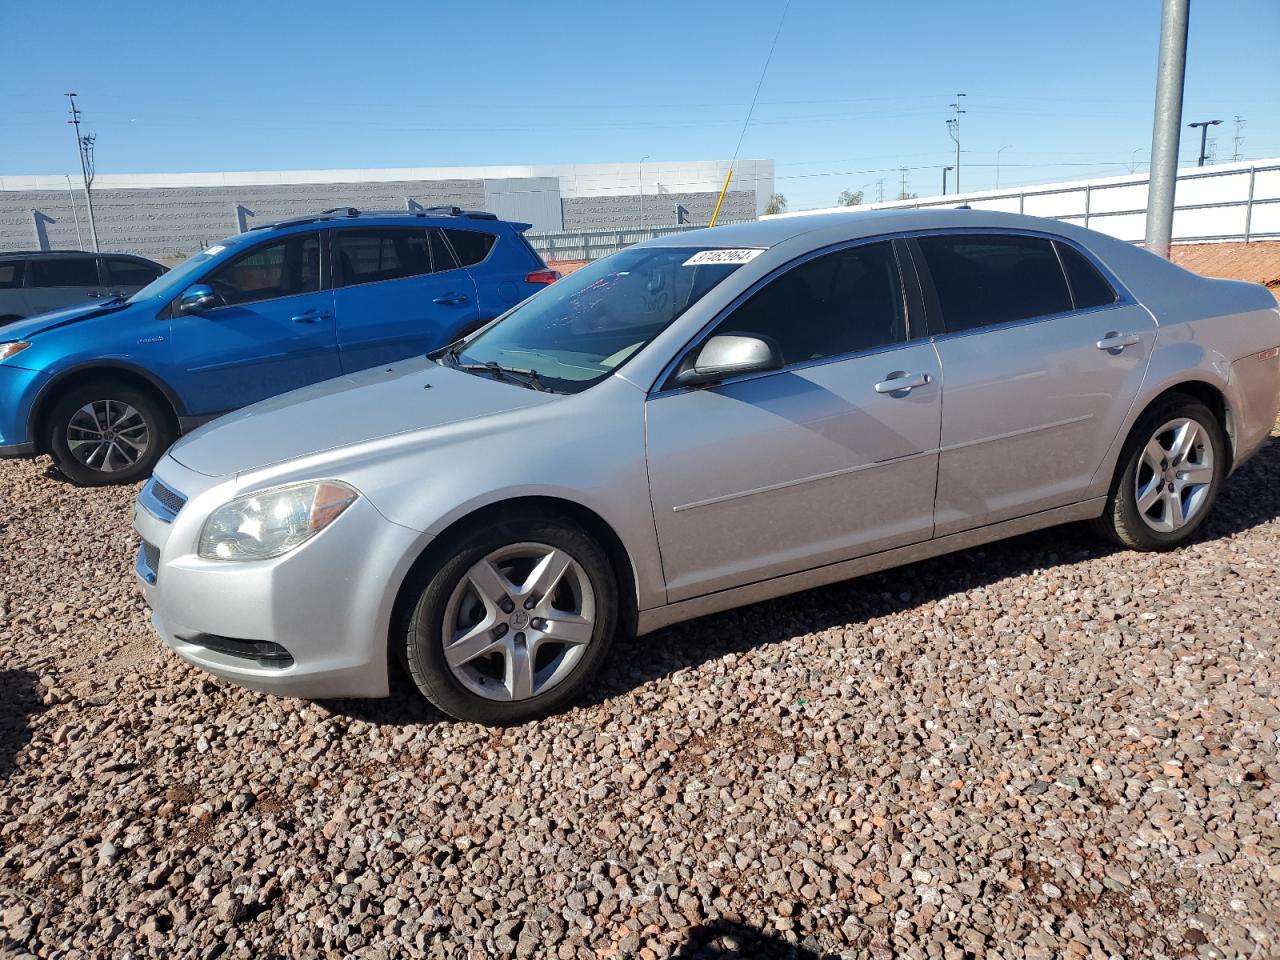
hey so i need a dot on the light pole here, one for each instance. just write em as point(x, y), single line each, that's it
point(944, 179)
point(1204, 126)
point(998, 152)
point(641, 178)
point(1133, 159)
point(1170, 76)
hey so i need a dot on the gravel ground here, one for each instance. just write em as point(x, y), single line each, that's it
point(1041, 748)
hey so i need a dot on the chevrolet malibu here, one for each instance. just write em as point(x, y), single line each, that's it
point(693, 424)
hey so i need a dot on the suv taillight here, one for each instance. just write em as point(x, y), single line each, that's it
point(543, 276)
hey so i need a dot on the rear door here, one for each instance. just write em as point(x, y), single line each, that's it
point(819, 462)
point(13, 296)
point(273, 333)
point(398, 293)
point(1040, 371)
point(127, 275)
point(499, 262)
point(59, 281)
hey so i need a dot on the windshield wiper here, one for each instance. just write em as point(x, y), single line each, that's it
point(522, 376)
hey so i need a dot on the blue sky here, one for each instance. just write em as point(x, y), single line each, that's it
point(855, 90)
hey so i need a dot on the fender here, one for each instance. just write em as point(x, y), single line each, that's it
point(105, 364)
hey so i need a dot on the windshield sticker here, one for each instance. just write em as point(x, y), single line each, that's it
point(721, 256)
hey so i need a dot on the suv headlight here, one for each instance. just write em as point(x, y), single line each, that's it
point(266, 524)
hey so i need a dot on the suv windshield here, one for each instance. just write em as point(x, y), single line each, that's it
point(582, 328)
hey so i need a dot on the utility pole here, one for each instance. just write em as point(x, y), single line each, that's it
point(944, 179)
point(1166, 126)
point(1238, 140)
point(903, 194)
point(84, 147)
point(880, 190)
point(1204, 126)
point(953, 127)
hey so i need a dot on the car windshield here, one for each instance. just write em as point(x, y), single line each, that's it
point(582, 328)
point(182, 276)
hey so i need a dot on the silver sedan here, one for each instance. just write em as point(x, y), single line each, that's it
point(693, 424)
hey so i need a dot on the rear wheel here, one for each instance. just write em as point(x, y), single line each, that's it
point(515, 623)
point(1171, 469)
point(107, 432)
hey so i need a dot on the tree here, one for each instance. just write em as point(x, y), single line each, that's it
point(777, 204)
point(850, 198)
point(907, 196)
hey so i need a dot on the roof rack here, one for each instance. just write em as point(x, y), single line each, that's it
point(44, 253)
point(343, 213)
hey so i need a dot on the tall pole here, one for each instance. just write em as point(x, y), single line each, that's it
point(944, 179)
point(1166, 125)
point(1204, 126)
point(953, 126)
point(642, 160)
point(1007, 146)
point(84, 170)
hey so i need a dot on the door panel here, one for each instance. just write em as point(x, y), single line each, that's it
point(1030, 411)
point(792, 470)
point(390, 304)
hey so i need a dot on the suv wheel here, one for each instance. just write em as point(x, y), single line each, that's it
point(515, 623)
point(1169, 476)
point(104, 433)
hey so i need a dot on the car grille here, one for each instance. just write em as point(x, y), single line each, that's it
point(148, 562)
point(161, 501)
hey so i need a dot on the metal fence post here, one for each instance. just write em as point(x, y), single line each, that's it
point(1088, 193)
point(1248, 204)
point(1022, 201)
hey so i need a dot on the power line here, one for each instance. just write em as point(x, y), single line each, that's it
point(760, 83)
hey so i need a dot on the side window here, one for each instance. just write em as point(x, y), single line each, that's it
point(11, 274)
point(64, 272)
point(441, 255)
point(841, 302)
point(281, 269)
point(130, 273)
point(1089, 288)
point(370, 256)
point(994, 278)
point(472, 246)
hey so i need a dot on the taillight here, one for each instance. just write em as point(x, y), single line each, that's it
point(543, 277)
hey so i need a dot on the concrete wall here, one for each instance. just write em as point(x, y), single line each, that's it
point(623, 211)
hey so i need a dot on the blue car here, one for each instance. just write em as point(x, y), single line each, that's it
point(106, 387)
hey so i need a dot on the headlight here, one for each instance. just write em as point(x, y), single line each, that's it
point(266, 524)
point(7, 350)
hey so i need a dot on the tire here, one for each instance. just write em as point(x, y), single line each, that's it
point(485, 684)
point(134, 430)
point(1177, 506)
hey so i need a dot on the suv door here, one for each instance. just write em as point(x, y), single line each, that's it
point(60, 280)
point(127, 275)
point(1040, 371)
point(13, 296)
point(274, 331)
point(773, 473)
point(398, 293)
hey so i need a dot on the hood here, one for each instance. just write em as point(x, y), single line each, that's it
point(25, 329)
point(412, 395)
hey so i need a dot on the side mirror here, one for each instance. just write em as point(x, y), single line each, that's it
point(198, 298)
point(730, 355)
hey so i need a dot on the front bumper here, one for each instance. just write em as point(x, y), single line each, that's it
point(327, 604)
point(19, 388)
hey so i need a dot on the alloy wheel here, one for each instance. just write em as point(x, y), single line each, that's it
point(518, 622)
point(1175, 475)
point(108, 435)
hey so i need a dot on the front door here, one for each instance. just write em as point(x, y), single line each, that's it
point(399, 293)
point(273, 333)
point(1041, 366)
point(61, 280)
point(824, 460)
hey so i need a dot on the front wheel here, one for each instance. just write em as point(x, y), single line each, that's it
point(105, 433)
point(515, 623)
point(1170, 471)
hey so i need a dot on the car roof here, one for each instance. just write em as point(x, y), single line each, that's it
point(854, 224)
point(454, 216)
point(49, 253)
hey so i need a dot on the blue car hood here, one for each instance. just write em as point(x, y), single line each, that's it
point(25, 329)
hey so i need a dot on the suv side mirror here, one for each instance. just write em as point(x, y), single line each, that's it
point(730, 355)
point(198, 298)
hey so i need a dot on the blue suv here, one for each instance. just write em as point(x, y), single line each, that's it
point(106, 387)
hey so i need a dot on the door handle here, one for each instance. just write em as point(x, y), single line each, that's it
point(1115, 341)
point(312, 316)
point(451, 298)
point(902, 382)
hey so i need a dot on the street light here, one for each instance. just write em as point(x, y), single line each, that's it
point(641, 178)
point(944, 179)
point(998, 152)
point(1204, 126)
point(1133, 159)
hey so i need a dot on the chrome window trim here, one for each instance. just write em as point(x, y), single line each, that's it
point(660, 389)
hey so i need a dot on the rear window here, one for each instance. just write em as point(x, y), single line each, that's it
point(64, 272)
point(988, 279)
point(11, 274)
point(1088, 287)
point(370, 256)
point(471, 245)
